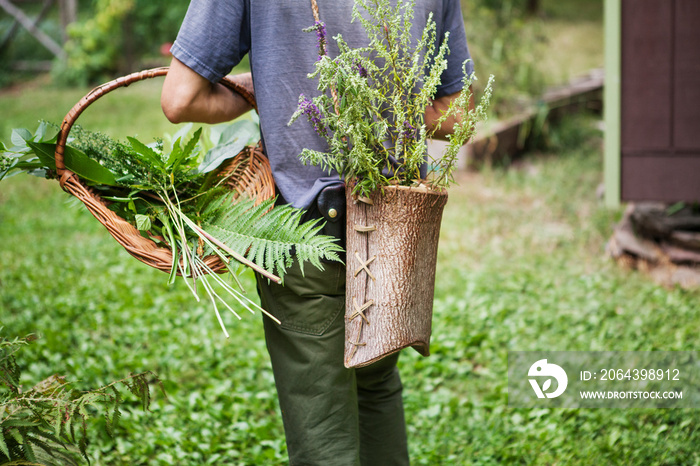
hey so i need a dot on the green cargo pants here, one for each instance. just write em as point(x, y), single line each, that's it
point(332, 415)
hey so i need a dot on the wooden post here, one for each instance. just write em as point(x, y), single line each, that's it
point(612, 110)
point(31, 26)
point(15, 24)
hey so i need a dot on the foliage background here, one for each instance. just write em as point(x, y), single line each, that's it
point(110, 38)
point(115, 37)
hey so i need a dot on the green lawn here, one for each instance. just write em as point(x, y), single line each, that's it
point(521, 267)
point(130, 111)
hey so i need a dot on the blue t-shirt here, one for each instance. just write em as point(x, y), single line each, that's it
point(217, 34)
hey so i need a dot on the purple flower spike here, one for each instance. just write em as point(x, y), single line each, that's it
point(408, 130)
point(313, 113)
point(360, 69)
point(321, 37)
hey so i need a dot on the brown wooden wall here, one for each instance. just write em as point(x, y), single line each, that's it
point(660, 83)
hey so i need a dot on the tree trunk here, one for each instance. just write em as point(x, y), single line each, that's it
point(392, 242)
point(69, 14)
point(533, 7)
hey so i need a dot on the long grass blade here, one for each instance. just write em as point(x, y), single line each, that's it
point(238, 296)
point(213, 293)
point(193, 273)
point(216, 309)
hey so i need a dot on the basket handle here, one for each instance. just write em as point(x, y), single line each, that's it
point(242, 86)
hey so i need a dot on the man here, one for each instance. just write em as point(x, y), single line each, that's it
point(332, 415)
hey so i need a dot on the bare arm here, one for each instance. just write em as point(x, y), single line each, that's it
point(440, 106)
point(187, 96)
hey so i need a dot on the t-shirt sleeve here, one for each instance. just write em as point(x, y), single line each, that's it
point(453, 22)
point(214, 37)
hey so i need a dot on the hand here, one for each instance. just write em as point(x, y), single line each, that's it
point(438, 107)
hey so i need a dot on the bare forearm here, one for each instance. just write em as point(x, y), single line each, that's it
point(437, 109)
point(187, 96)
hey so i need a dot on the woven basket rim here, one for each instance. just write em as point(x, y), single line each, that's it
point(257, 174)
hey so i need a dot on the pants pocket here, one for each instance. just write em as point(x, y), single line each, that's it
point(307, 303)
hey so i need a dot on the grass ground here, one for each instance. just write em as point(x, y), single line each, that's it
point(125, 112)
point(521, 267)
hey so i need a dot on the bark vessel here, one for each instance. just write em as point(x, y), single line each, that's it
point(392, 241)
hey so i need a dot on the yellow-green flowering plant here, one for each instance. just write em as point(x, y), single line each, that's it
point(371, 109)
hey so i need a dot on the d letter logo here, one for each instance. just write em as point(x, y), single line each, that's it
point(542, 369)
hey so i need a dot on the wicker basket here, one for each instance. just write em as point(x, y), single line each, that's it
point(249, 173)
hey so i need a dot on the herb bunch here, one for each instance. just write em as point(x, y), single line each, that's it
point(371, 109)
point(174, 193)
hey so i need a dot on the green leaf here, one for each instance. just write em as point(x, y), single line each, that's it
point(219, 154)
point(246, 130)
point(15, 435)
point(143, 222)
point(675, 208)
point(232, 140)
point(192, 143)
point(45, 152)
point(176, 154)
point(183, 154)
point(20, 137)
point(33, 164)
point(57, 426)
point(46, 132)
point(14, 422)
point(147, 153)
point(27, 448)
point(75, 161)
point(182, 132)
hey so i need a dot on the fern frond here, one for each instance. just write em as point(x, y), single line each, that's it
point(82, 445)
point(138, 386)
point(49, 438)
point(116, 414)
point(269, 236)
point(27, 448)
point(46, 447)
point(3, 445)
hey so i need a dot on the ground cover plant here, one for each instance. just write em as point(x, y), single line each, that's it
point(521, 267)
